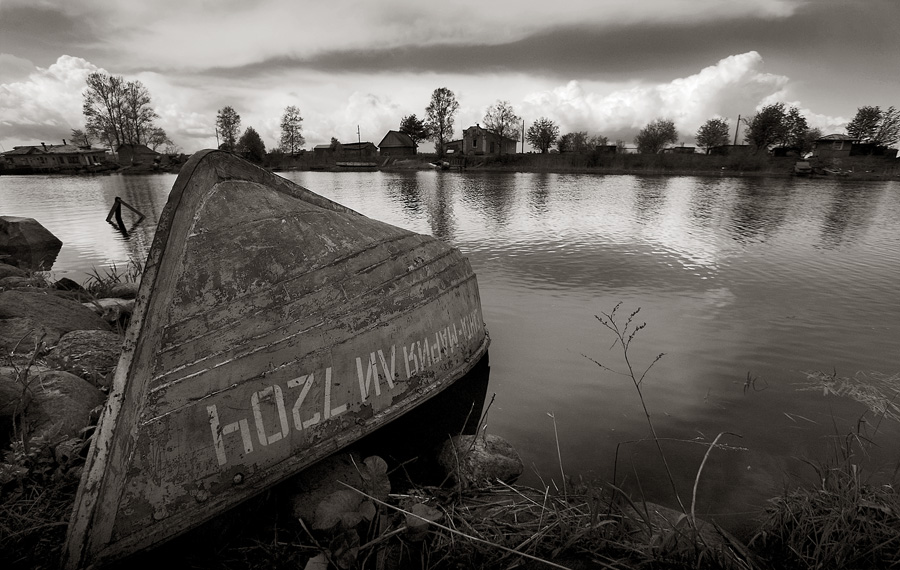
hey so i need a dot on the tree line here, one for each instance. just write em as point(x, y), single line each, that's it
point(118, 112)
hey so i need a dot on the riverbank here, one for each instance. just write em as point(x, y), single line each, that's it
point(853, 168)
point(740, 165)
point(401, 521)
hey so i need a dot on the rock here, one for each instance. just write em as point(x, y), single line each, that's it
point(66, 284)
point(91, 355)
point(124, 290)
point(56, 404)
point(25, 233)
point(112, 310)
point(310, 487)
point(28, 241)
point(11, 271)
point(14, 281)
point(473, 460)
point(25, 316)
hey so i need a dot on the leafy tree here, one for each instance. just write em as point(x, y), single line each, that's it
point(594, 141)
point(335, 143)
point(876, 126)
point(775, 125)
point(655, 136)
point(579, 141)
point(117, 111)
point(81, 138)
point(440, 117)
point(767, 127)
point(157, 138)
point(228, 125)
point(251, 145)
point(864, 125)
point(889, 129)
point(415, 128)
point(812, 135)
point(541, 134)
point(795, 129)
point(501, 119)
point(291, 130)
point(713, 132)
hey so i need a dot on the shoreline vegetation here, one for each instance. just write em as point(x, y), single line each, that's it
point(742, 164)
point(389, 520)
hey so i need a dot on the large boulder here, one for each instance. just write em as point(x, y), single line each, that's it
point(50, 403)
point(474, 460)
point(7, 270)
point(27, 241)
point(91, 355)
point(27, 316)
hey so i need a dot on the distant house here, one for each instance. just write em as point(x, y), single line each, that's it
point(833, 146)
point(129, 154)
point(358, 151)
point(396, 143)
point(454, 147)
point(731, 149)
point(679, 150)
point(52, 158)
point(324, 150)
point(477, 140)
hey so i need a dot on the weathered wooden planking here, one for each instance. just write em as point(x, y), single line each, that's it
point(272, 328)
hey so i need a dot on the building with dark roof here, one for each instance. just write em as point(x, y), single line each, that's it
point(52, 158)
point(396, 143)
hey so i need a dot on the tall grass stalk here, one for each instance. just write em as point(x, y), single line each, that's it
point(623, 337)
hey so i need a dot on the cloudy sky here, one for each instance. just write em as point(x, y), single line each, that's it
point(604, 66)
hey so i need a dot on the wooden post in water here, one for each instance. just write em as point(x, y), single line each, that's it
point(116, 211)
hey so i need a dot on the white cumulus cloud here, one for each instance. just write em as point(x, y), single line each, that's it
point(736, 85)
point(46, 105)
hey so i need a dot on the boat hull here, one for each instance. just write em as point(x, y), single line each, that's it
point(272, 328)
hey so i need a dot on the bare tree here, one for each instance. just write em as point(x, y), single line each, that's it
point(81, 138)
point(117, 111)
point(439, 115)
point(501, 119)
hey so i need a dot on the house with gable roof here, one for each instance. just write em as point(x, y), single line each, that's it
point(396, 143)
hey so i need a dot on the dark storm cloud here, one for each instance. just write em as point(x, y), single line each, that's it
point(650, 52)
point(43, 34)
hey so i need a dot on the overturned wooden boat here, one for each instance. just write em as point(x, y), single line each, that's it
point(272, 328)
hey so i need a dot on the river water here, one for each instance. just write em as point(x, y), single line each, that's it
point(749, 286)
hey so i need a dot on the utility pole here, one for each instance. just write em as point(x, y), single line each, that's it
point(523, 136)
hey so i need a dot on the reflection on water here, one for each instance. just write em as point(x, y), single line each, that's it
point(737, 279)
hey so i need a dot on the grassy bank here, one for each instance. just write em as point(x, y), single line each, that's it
point(843, 520)
point(855, 168)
